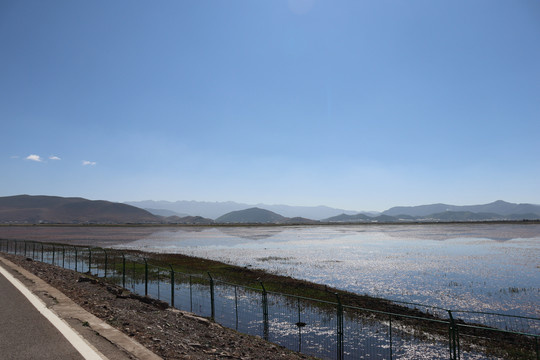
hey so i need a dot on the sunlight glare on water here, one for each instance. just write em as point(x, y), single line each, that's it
point(477, 267)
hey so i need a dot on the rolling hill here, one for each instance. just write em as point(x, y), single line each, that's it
point(188, 220)
point(27, 209)
point(349, 218)
point(251, 216)
point(497, 207)
point(213, 210)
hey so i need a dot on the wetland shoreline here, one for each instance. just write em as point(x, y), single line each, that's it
point(253, 278)
point(138, 237)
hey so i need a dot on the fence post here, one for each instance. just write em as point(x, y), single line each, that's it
point(89, 260)
point(114, 271)
point(15, 243)
point(25, 248)
point(145, 277)
point(212, 305)
point(158, 280)
point(53, 248)
point(390, 333)
point(105, 252)
point(172, 285)
point(300, 324)
point(42, 250)
point(133, 275)
point(236, 305)
point(123, 270)
point(339, 328)
point(75, 248)
point(453, 338)
point(265, 311)
point(63, 256)
point(190, 294)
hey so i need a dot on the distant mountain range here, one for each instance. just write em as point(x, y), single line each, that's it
point(498, 207)
point(495, 211)
point(227, 211)
point(214, 210)
point(259, 216)
point(26, 209)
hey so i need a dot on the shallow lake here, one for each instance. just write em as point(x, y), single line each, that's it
point(478, 267)
point(481, 267)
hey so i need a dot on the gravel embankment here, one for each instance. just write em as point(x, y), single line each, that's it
point(169, 333)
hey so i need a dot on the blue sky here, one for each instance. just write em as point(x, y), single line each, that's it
point(361, 105)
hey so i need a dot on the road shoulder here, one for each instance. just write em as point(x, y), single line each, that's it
point(109, 341)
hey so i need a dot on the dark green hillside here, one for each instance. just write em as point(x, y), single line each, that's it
point(529, 216)
point(385, 218)
point(251, 216)
point(301, 220)
point(464, 216)
point(349, 218)
point(188, 220)
point(27, 209)
point(498, 207)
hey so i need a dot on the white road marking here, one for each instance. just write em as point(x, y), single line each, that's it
point(71, 335)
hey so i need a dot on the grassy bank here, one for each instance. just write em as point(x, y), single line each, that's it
point(250, 277)
point(408, 321)
point(424, 322)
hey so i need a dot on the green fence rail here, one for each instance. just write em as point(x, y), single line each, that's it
point(325, 329)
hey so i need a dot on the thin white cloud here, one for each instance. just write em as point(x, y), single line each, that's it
point(34, 157)
point(15, 157)
point(53, 157)
point(88, 163)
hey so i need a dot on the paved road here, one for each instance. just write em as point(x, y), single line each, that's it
point(25, 333)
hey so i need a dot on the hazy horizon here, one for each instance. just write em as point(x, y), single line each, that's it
point(348, 104)
point(320, 205)
point(279, 204)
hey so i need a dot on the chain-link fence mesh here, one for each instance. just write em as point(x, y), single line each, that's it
point(324, 329)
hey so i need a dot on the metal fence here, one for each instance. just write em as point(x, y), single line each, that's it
point(325, 329)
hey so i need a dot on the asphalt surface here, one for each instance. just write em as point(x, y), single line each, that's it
point(59, 328)
point(25, 333)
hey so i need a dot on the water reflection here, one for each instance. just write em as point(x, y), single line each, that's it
point(479, 267)
point(251, 233)
point(497, 232)
point(314, 327)
point(489, 267)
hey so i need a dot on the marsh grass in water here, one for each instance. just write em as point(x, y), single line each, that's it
point(273, 258)
point(494, 343)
